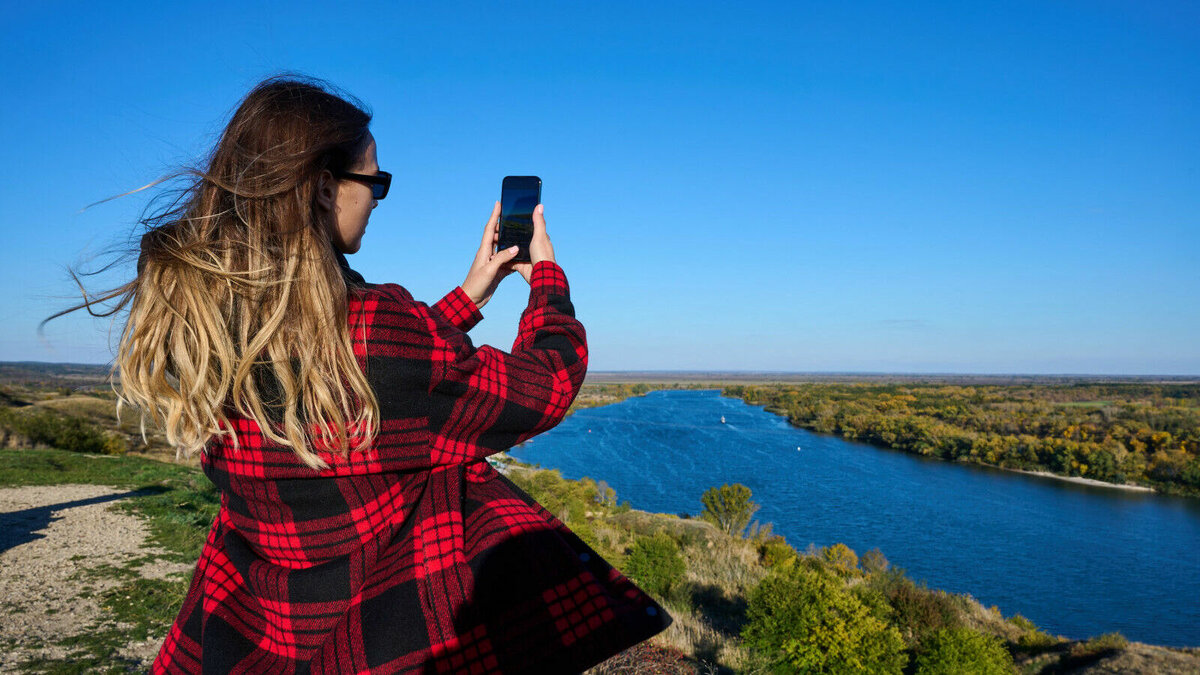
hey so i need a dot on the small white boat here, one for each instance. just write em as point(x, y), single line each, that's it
point(722, 419)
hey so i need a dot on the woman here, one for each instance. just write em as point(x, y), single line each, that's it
point(346, 425)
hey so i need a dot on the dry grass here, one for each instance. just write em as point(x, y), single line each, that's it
point(709, 609)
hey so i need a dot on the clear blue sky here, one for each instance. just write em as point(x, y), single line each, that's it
point(941, 187)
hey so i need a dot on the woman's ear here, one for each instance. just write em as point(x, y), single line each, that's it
point(326, 190)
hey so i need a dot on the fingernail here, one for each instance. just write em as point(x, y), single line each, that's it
point(513, 249)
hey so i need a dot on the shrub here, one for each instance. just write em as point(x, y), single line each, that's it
point(807, 621)
point(918, 611)
point(115, 444)
point(759, 532)
point(842, 558)
point(874, 562)
point(655, 564)
point(951, 651)
point(49, 428)
point(775, 551)
point(1031, 638)
point(1036, 640)
point(1022, 623)
point(1109, 642)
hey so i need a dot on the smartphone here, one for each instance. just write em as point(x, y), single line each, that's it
point(518, 197)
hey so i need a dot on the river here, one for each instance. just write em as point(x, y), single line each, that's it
point(1077, 560)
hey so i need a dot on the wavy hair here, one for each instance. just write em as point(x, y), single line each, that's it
point(239, 302)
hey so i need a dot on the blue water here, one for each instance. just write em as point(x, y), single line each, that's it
point(1076, 560)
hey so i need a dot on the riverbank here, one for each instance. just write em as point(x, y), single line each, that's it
point(1078, 480)
point(1142, 437)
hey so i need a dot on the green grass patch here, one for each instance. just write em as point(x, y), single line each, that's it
point(178, 504)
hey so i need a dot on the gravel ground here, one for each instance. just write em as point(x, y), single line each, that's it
point(50, 537)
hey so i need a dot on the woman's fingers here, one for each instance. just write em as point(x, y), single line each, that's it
point(540, 247)
point(504, 256)
point(539, 221)
point(490, 233)
point(490, 230)
point(524, 269)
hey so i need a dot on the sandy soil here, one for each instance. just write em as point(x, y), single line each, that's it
point(50, 538)
point(1085, 481)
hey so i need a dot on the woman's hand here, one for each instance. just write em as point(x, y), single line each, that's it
point(488, 268)
point(539, 249)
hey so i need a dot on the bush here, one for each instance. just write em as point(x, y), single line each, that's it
point(874, 562)
point(655, 564)
point(806, 620)
point(1109, 642)
point(842, 558)
point(918, 610)
point(49, 428)
point(951, 651)
point(1031, 639)
point(1022, 623)
point(775, 551)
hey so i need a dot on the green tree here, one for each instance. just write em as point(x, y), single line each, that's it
point(806, 621)
point(1191, 474)
point(729, 508)
point(951, 651)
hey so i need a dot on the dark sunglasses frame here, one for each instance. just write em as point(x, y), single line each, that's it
point(380, 183)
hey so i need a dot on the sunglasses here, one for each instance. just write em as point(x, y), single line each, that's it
point(379, 182)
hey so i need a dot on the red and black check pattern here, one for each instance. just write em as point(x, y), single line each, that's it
point(416, 555)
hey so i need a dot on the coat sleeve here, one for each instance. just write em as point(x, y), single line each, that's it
point(458, 310)
point(485, 400)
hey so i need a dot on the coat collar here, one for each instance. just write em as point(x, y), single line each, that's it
point(351, 275)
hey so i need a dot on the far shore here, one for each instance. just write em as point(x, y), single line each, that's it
point(1080, 480)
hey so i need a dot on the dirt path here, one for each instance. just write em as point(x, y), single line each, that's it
point(51, 537)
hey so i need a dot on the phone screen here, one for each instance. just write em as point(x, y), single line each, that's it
point(518, 197)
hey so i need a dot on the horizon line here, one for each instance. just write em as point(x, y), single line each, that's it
point(697, 371)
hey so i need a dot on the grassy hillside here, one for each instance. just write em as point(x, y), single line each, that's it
point(718, 600)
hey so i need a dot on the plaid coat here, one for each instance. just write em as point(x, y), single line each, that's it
point(416, 556)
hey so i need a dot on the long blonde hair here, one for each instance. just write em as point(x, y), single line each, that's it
point(240, 301)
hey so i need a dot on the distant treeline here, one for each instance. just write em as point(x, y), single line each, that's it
point(1121, 433)
point(595, 395)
